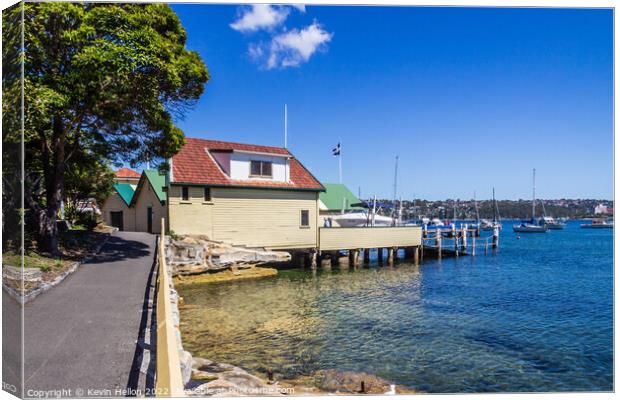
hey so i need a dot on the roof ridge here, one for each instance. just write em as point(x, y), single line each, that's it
point(240, 143)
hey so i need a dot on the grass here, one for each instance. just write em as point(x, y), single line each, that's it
point(34, 260)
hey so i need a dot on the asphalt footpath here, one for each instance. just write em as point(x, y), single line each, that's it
point(84, 337)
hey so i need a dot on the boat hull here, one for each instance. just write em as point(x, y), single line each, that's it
point(597, 226)
point(529, 229)
point(556, 226)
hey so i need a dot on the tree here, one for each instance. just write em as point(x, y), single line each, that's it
point(100, 79)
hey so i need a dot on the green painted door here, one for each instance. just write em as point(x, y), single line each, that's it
point(149, 219)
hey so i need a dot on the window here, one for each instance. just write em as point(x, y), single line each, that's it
point(185, 193)
point(261, 169)
point(305, 218)
point(207, 194)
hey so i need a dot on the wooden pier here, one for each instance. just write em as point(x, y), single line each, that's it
point(457, 242)
point(352, 246)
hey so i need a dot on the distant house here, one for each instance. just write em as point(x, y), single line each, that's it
point(127, 175)
point(243, 194)
point(602, 209)
point(137, 206)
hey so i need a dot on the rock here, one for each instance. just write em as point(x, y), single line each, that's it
point(185, 358)
point(228, 275)
point(214, 367)
point(197, 362)
point(333, 380)
point(236, 255)
point(242, 379)
point(196, 255)
point(198, 375)
point(15, 273)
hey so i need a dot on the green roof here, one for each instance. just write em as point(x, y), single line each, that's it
point(337, 195)
point(157, 182)
point(125, 190)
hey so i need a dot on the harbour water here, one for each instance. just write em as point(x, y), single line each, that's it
point(535, 316)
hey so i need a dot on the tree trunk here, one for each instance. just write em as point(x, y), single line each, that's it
point(48, 228)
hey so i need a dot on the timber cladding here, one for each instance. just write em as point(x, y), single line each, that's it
point(267, 218)
point(367, 238)
point(115, 203)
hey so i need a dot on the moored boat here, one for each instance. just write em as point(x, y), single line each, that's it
point(552, 223)
point(528, 227)
point(487, 225)
point(360, 218)
point(531, 226)
point(599, 224)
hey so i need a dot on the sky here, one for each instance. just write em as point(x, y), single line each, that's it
point(467, 98)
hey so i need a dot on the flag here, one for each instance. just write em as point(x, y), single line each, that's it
point(336, 150)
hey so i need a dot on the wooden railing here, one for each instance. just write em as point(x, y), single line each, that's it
point(169, 382)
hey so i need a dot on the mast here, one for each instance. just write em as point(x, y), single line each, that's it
point(494, 207)
point(374, 210)
point(476, 206)
point(454, 219)
point(534, 194)
point(395, 179)
point(394, 212)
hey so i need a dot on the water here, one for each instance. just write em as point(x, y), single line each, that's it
point(536, 317)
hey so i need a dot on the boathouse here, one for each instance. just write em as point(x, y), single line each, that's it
point(243, 194)
point(137, 206)
point(336, 199)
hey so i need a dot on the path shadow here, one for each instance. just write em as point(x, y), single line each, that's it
point(119, 249)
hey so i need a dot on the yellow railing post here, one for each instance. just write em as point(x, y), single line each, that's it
point(169, 382)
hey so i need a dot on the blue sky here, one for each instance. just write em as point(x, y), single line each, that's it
point(468, 98)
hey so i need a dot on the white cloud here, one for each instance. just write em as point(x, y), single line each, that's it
point(300, 7)
point(260, 16)
point(292, 48)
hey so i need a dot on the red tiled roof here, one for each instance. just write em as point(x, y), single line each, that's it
point(193, 164)
point(127, 173)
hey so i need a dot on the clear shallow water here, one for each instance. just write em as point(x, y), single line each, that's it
point(535, 316)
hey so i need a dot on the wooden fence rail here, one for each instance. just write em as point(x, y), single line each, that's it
point(169, 382)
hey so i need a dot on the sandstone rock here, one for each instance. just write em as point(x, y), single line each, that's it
point(242, 379)
point(203, 376)
point(15, 273)
point(350, 382)
point(197, 362)
point(214, 367)
point(185, 358)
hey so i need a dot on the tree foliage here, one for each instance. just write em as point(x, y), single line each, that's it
point(102, 82)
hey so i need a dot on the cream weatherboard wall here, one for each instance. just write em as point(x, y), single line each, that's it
point(191, 217)
point(250, 217)
point(115, 203)
point(147, 198)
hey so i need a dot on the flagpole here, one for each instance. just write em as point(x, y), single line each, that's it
point(340, 163)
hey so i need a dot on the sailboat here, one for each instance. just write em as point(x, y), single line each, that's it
point(487, 225)
point(531, 226)
point(551, 222)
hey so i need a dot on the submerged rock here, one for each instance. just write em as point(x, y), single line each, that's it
point(228, 275)
point(333, 380)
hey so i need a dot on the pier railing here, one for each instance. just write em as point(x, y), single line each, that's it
point(169, 382)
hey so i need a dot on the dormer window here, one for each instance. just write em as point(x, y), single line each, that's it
point(261, 169)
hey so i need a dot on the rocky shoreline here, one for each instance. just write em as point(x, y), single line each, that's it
point(197, 260)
